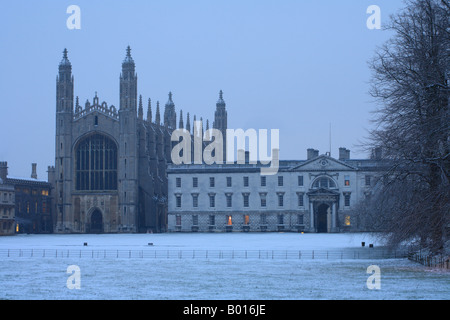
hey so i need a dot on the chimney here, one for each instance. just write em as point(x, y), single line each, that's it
point(51, 174)
point(3, 170)
point(377, 153)
point(312, 153)
point(344, 154)
point(33, 171)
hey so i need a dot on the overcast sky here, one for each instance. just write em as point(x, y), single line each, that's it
point(292, 65)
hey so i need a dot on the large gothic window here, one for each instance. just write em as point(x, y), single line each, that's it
point(96, 164)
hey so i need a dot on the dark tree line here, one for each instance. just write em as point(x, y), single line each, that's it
point(410, 82)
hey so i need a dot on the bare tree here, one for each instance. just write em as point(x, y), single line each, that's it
point(411, 83)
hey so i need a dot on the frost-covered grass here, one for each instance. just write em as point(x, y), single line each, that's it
point(187, 278)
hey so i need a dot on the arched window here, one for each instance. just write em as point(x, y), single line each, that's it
point(324, 182)
point(96, 164)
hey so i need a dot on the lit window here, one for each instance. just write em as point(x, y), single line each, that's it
point(229, 221)
point(347, 220)
point(346, 180)
point(246, 219)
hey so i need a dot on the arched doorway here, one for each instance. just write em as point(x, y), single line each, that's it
point(96, 222)
point(323, 218)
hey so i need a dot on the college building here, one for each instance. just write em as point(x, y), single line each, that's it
point(318, 194)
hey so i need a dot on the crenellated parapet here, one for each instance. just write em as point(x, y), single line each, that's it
point(103, 107)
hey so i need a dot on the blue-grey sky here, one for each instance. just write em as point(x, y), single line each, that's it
point(293, 65)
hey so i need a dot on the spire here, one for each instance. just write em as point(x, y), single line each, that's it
point(181, 124)
point(128, 58)
point(220, 102)
point(221, 119)
point(64, 85)
point(65, 60)
point(128, 83)
point(149, 110)
point(193, 126)
point(158, 115)
point(188, 123)
point(140, 109)
point(170, 117)
point(207, 136)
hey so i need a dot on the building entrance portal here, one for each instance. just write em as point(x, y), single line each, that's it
point(323, 218)
point(96, 225)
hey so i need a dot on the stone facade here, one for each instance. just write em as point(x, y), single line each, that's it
point(30, 200)
point(314, 195)
point(110, 162)
point(7, 203)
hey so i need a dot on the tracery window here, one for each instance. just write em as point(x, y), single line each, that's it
point(96, 164)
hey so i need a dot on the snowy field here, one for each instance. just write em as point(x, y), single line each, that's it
point(40, 270)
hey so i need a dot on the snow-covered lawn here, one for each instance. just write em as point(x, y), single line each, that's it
point(197, 278)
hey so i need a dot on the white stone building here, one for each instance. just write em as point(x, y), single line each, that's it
point(314, 195)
